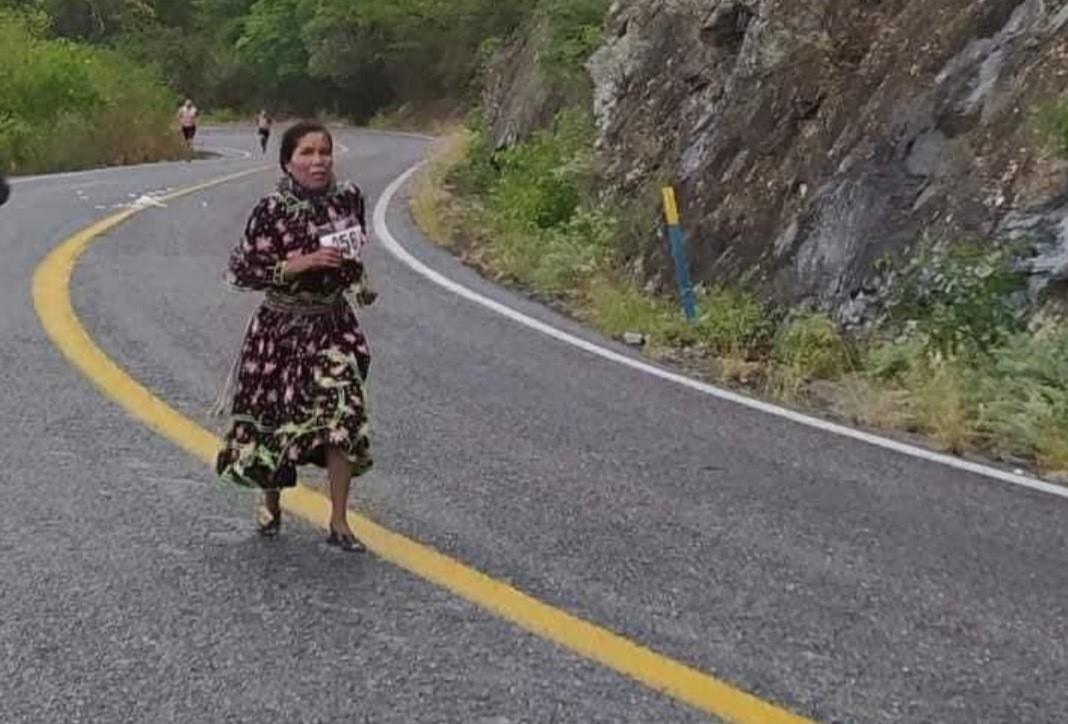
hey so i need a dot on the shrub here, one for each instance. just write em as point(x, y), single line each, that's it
point(808, 346)
point(572, 252)
point(1023, 398)
point(68, 106)
point(732, 323)
point(576, 29)
point(1054, 121)
point(476, 174)
point(959, 303)
point(892, 361)
point(538, 185)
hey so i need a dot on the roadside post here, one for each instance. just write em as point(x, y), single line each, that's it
point(678, 252)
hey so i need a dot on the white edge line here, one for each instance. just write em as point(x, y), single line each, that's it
point(394, 247)
point(231, 154)
point(17, 180)
point(402, 134)
point(236, 154)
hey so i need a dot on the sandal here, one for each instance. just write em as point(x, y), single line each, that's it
point(269, 524)
point(346, 542)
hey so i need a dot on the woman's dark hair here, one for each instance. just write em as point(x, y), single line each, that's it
point(291, 138)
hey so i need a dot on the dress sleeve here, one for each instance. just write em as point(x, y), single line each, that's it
point(256, 261)
point(361, 289)
point(359, 210)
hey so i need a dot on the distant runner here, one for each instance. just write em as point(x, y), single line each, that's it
point(187, 120)
point(5, 190)
point(263, 128)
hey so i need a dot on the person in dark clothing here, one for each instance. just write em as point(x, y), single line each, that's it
point(299, 383)
point(263, 129)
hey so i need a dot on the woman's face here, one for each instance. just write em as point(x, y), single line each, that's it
point(312, 163)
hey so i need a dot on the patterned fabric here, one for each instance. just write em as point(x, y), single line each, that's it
point(299, 380)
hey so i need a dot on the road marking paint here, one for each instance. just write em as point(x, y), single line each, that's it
point(391, 244)
point(19, 180)
point(51, 297)
point(402, 134)
point(227, 152)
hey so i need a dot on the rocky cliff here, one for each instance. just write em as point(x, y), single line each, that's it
point(808, 140)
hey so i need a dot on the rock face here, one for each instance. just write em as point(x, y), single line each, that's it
point(810, 139)
point(519, 96)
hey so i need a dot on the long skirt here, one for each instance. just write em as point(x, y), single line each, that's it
point(299, 390)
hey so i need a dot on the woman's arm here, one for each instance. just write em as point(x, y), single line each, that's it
point(364, 292)
point(256, 262)
point(259, 260)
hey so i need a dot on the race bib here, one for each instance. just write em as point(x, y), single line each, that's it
point(349, 242)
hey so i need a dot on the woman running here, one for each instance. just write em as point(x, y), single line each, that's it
point(188, 115)
point(299, 395)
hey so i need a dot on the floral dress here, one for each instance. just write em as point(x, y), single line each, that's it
point(298, 385)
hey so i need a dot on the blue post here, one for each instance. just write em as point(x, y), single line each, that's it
point(678, 253)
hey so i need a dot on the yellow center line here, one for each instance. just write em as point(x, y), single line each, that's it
point(51, 297)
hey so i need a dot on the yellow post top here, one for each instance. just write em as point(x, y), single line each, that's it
point(671, 209)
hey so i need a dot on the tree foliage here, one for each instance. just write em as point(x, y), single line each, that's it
point(65, 105)
point(349, 57)
point(354, 57)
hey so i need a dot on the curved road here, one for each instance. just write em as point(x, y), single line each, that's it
point(838, 580)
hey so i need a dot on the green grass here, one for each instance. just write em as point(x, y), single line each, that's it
point(225, 116)
point(733, 323)
point(432, 202)
point(808, 346)
point(1022, 398)
point(1011, 403)
point(616, 307)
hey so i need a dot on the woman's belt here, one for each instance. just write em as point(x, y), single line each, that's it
point(303, 304)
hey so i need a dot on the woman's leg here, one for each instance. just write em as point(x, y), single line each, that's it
point(272, 500)
point(271, 525)
point(339, 469)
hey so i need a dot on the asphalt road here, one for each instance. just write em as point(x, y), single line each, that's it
point(839, 580)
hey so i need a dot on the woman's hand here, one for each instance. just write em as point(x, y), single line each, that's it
point(319, 259)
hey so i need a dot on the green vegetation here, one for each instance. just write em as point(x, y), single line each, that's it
point(1011, 402)
point(808, 346)
point(575, 31)
point(960, 301)
point(961, 367)
point(98, 81)
point(69, 106)
point(1022, 400)
point(546, 232)
point(351, 58)
point(87, 82)
point(1054, 120)
point(952, 361)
